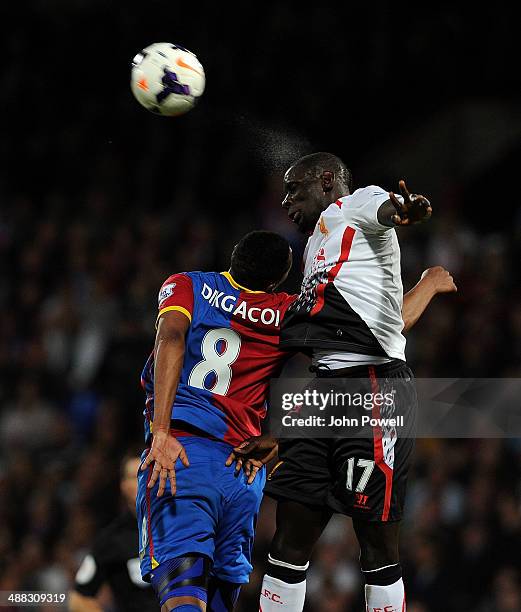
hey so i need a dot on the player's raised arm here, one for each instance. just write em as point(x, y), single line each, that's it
point(413, 209)
point(433, 281)
point(169, 353)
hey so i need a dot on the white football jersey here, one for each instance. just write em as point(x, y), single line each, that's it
point(351, 297)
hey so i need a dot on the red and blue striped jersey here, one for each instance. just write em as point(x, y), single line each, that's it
point(231, 352)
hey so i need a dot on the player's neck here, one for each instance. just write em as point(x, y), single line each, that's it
point(332, 196)
point(242, 283)
point(338, 192)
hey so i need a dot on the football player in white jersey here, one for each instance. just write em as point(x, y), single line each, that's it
point(348, 317)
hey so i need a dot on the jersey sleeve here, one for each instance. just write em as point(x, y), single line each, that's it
point(176, 293)
point(361, 209)
point(90, 576)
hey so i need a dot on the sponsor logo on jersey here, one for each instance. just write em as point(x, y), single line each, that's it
point(322, 227)
point(361, 501)
point(228, 303)
point(165, 292)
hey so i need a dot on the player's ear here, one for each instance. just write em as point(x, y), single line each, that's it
point(328, 178)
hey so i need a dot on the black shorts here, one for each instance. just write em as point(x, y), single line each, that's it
point(363, 476)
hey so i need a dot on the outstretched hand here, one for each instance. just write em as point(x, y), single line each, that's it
point(253, 454)
point(165, 451)
point(414, 209)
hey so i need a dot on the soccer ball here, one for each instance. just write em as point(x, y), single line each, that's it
point(167, 79)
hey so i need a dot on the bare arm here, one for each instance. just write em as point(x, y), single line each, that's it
point(433, 280)
point(169, 353)
point(81, 603)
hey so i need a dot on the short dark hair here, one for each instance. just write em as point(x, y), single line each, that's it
point(322, 161)
point(260, 259)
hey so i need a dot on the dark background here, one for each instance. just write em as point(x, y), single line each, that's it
point(101, 201)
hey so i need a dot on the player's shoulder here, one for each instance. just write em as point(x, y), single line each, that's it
point(360, 209)
point(362, 195)
point(190, 279)
point(199, 276)
point(175, 284)
point(207, 283)
point(178, 277)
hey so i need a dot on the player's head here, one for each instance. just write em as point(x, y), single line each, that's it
point(261, 261)
point(311, 184)
point(128, 479)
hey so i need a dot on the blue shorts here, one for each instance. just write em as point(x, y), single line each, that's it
point(213, 513)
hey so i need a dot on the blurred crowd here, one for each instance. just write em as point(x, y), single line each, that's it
point(100, 202)
point(77, 323)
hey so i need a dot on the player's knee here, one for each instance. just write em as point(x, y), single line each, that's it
point(288, 549)
point(182, 582)
point(378, 548)
point(377, 555)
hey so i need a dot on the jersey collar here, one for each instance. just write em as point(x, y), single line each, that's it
point(235, 285)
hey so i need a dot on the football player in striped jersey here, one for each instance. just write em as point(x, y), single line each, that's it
point(348, 318)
